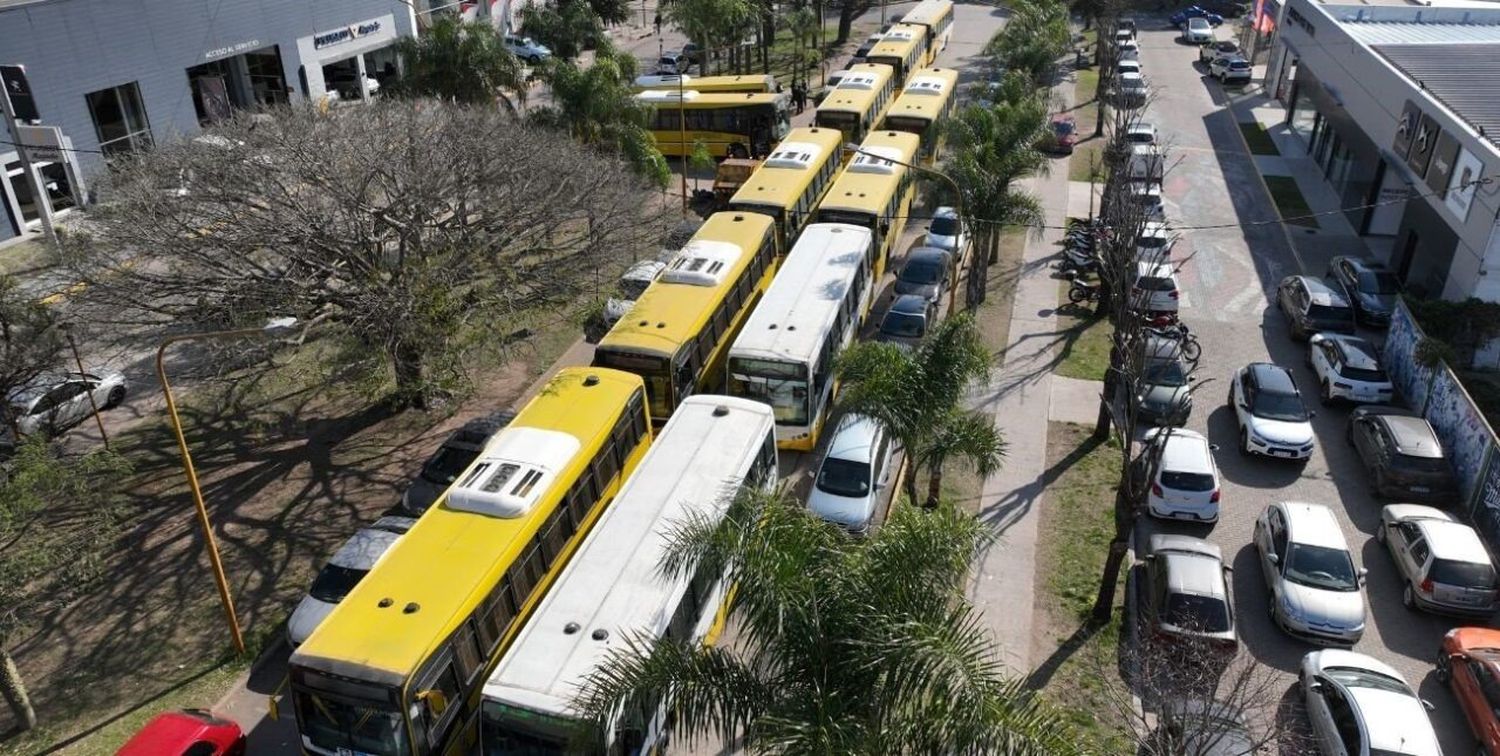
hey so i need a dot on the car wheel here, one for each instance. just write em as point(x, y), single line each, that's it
point(116, 395)
point(1245, 442)
point(534, 60)
point(1326, 394)
point(1442, 672)
point(1408, 599)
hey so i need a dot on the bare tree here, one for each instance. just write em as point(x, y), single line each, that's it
point(417, 230)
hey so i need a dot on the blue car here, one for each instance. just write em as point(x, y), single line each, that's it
point(1192, 11)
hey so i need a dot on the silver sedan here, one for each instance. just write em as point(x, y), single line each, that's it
point(58, 401)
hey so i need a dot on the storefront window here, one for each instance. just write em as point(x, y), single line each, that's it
point(119, 119)
point(1304, 117)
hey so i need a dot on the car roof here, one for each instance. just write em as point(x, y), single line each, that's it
point(927, 253)
point(1453, 541)
point(1131, 75)
point(1192, 565)
point(912, 304)
point(1413, 435)
point(1158, 347)
point(1154, 270)
point(1354, 351)
point(853, 438)
point(1187, 451)
point(1321, 293)
point(945, 212)
point(1313, 525)
point(1197, 18)
point(1272, 378)
point(1141, 128)
point(366, 546)
point(1392, 721)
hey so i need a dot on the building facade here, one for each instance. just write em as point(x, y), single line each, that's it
point(1399, 104)
point(113, 76)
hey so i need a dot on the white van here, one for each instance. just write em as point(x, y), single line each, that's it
point(854, 472)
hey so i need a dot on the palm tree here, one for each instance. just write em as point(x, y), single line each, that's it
point(859, 646)
point(567, 29)
point(711, 23)
point(993, 147)
point(917, 395)
point(461, 62)
point(598, 107)
point(1036, 35)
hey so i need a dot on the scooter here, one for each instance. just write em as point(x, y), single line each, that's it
point(1080, 291)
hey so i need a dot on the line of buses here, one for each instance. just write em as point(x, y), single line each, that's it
point(476, 628)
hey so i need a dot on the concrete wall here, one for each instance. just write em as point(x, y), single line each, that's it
point(73, 47)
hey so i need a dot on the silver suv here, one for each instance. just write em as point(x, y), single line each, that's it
point(1313, 582)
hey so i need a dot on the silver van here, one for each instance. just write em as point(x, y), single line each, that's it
point(854, 472)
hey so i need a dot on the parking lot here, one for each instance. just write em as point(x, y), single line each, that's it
point(1228, 280)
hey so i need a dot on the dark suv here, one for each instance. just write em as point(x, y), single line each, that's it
point(1165, 396)
point(459, 449)
point(1405, 458)
point(1369, 286)
point(1312, 306)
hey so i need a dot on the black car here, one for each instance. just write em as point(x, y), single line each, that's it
point(926, 272)
point(1164, 396)
point(1403, 454)
point(459, 449)
point(1369, 286)
point(1312, 306)
point(908, 319)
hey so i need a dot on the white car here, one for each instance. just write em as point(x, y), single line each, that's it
point(1230, 70)
point(1130, 50)
point(1443, 563)
point(527, 49)
point(1186, 483)
point(1154, 245)
point(56, 402)
point(1155, 288)
point(1268, 409)
point(1360, 705)
point(1197, 31)
point(1348, 368)
point(1141, 132)
point(854, 471)
point(1131, 87)
point(1128, 66)
point(672, 62)
point(1314, 585)
point(945, 232)
point(348, 566)
point(630, 287)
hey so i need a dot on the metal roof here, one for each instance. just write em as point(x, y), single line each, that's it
point(1460, 76)
point(1417, 33)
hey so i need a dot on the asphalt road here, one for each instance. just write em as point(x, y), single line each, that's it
point(1228, 279)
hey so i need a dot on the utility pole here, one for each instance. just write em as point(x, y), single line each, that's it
point(38, 192)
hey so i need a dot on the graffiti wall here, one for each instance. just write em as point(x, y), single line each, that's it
point(1400, 342)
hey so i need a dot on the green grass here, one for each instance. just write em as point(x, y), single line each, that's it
point(1256, 138)
point(1289, 200)
point(1085, 344)
point(1086, 112)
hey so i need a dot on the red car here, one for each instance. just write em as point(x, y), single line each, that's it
point(1469, 662)
point(1064, 134)
point(191, 732)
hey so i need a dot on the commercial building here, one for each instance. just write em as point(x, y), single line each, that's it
point(1399, 104)
point(111, 76)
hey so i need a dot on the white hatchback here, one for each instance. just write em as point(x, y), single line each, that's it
point(1185, 485)
point(348, 566)
point(1348, 369)
point(854, 471)
point(1155, 288)
point(1198, 31)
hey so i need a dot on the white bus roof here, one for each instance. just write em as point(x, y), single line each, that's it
point(794, 316)
point(613, 583)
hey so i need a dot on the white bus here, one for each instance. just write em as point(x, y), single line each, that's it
point(784, 355)
point(612, 588)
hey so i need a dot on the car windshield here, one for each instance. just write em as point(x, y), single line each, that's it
point(1367, 376)
point(333, 583)
point(1165, 373)
point(1422, 464)
point(445, 466)
point(1154, 283)
point(1465, 574)
point(943, 225)
point(1284, 407)
point(843, 477)
point(1374, 282)
point(1204, 614)
point(1141, 137)
point(903, 324)
point(1365, 678)
point(922, 272)
point(1321, 567)
point(1327, 313)
point(1239, 65)
point(1186, 481)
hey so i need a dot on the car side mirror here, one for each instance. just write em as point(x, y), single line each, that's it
point(1426, 704)
point(436, 701)
point(1273, 559)
point(1213, 447)
point(1316, 687)
point(1363, 573)
point(1228, 568)
point(1312, 413)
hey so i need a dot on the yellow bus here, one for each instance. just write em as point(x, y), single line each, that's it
point(936, 16)
point(930, 96)
point(754, 83)
point(678, 333)
point(730, 124)
point(876, 194)
point(399, 667)
point(791, 182)
point(903, 48)
point(857, 104)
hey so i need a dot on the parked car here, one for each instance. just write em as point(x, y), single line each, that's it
point(1186, 483)
point(1130, 50)
point(1469, 662)
point(854, 470)
point(56, 402)
point(457, 451)
point(1230, 70)
point(907, 319)
point(1442, 561)
point(1124, 35)
point(1358, 704)
point(1187, 594)
point(1130, 87)
point(344, 570)
point(1206, 728)
point(1141, 132)
point(1197, 31)
point(1369, 286)
point(528, 49)
point(1129, 66)
point(1062, 136)
point(1348, 369)
point(672, 61)
point(865, 47)
point(1146, 163)
point(692, 52)
point(1314, 585)
point(946, 232)
point(631, 285)
point(1164, 397)
point(1403, 454)
point(1208, 52)
point(926, 272)
point(1181, 17)
point(1154, 245)
point(1269, 412)
point(1155, 288)
point(1312, 306)
point(189, 732)
point(1225, 8)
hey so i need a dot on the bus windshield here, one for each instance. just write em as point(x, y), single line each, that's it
point(337, 726)
point(512, 731)
point(653, 370)
point(780, 384)
point(847, 123)
point(908, 124)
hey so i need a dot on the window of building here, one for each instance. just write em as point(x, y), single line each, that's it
point(120, 119)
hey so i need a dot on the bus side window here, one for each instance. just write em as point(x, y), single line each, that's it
point(466, 652)
point(440, 677)
point(638, 417)
point(604, 466)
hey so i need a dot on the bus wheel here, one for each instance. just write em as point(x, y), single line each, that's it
point(738, 151)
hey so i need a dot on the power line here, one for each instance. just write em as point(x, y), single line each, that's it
point(49, 147)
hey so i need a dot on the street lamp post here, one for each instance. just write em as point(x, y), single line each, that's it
point(67, 329)
point(959, 199)
point(272, 327)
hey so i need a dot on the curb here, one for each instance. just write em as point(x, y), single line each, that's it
point(1260, 178)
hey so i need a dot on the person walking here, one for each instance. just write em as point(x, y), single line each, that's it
point(799, 96)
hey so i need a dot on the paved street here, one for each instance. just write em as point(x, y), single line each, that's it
point(1228, 278)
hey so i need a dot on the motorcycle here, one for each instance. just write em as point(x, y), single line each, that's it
point(1178, 331)
point(1080, 291)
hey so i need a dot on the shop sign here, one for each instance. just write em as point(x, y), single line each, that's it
point(44, 144)
point(1423, 142)
point(228, 50)
point(1467, 169)
point(1296, 19)
point(345, 34)
point(18, 89)
point(1406, 126)
point(1441, 170)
